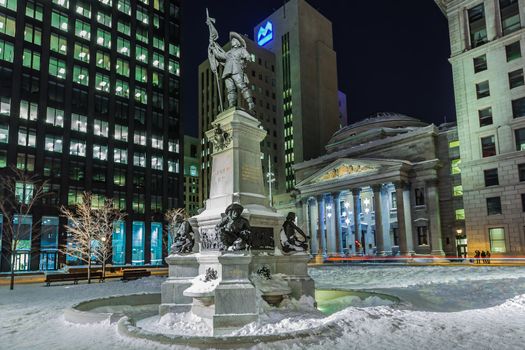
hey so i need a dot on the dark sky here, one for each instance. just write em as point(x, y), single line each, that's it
point(392, 55)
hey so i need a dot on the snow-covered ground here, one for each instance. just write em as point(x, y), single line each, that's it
point(442, 307)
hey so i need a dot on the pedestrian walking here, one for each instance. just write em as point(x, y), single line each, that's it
point(483, 256)
point(488, 257)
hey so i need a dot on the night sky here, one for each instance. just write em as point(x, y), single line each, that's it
point(392, 55)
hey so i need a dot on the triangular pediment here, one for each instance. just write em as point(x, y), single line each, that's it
point(347, 168)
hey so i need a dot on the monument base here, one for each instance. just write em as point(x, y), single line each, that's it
point(183, 268)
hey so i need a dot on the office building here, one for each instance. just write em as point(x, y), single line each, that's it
point(487, 40)
point(191, 175)
point(89, 95)
point(306, 72)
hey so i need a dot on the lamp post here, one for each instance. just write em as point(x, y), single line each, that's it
point(271, 179)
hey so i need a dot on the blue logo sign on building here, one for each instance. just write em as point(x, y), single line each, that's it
point(265, 34)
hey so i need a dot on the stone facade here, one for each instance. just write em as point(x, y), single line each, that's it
point(390, 174)
point(479, 65)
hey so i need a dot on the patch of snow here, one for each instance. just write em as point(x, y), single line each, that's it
point(200, 286)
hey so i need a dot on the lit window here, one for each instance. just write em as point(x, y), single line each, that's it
point(174, 50)
point(53, 143)
point(23, 194)
point(55, 117)
point(120, 156)
point(520, 139)
point(457, 191)
point(122, 67)
point(142, 35)
point(158, 60)
point(142, 15)
point(82, 52)
point(103, 60)
point(173, 146)
point(140, 95)
point(106, 2)
point(141, 74)
point(123, 46)
point(10, 4)
point(156, 142)
point(156, 162)
point(173, 67)
point(31, 59)
point(139, 159)
point(59, 20)
point(82, 29)
point(104, 19)
point(453, 144)
point(77, 148)
point(100, 152)
point(63, 3)
point(104, 38)
point(26, 137)
point(4, 133)
point(124, 28)
point(159, 43)
point(32, 10)
point(84, 9)
point(124, 6)
point(78, 122)
point(460, 214)
point(80, 75)
point(58, 44)
point(121, 132)
point(497, 240)
point(141, 54)
point(454, 166)
point(7, 25)
point(28, 110)
point(57, 68)
point(100, 128)
point(173, 166)
point(33, 34)
point(140, 137)
point(121, 88)
point(7, 51)
point(102, 82)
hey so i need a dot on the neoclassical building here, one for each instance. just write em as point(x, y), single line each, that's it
point(387, 185)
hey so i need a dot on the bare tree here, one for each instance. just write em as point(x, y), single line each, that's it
point(82, 231)
point(21, 192)
point(105, 218)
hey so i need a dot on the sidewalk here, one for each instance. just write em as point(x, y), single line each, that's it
point(39, 277)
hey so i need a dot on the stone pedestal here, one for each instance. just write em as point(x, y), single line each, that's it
point(235, 300)
point(295, 267)
point(183, 268)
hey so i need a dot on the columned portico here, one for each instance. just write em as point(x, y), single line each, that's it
point(380, 245)
point(404, 218)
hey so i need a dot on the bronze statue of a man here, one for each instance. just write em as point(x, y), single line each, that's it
point(234, 230)
point(234, 61)
point(183, 240)
point(289, 240)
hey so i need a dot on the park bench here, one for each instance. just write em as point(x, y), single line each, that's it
point(75, 277)
point(128, 275)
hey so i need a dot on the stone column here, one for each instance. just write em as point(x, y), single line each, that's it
point(337, 215)
point(436, 238)
point(380, 245)
point(401, 227)
point(314, 243)
point(357, 210)
point(321, 242)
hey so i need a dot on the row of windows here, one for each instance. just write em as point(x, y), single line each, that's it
point(509, 14)
point(492, 179)
point(488, 143)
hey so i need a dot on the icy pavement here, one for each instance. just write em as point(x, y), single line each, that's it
point(491, 300)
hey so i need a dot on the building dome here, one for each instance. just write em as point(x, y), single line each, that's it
point(375, 126)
